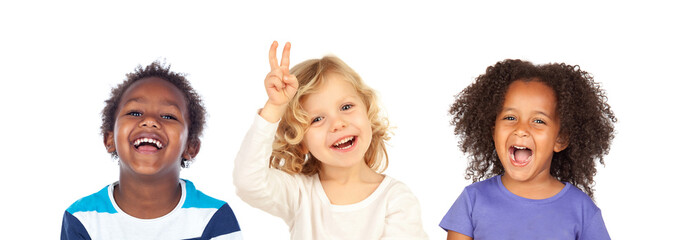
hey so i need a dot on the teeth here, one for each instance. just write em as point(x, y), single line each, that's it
point(147, 140)
point(347, 147)
point(513, 152)
point(343, 141)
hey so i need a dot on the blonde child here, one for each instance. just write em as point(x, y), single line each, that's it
point(314, 154)
point(533, 135)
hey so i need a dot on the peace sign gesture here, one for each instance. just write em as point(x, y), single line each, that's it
point(279, 84)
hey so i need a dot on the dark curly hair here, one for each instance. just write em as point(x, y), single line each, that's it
point(586, 119)
point(160, 70)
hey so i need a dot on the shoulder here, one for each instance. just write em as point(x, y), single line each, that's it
point(306, 184)
point(393, 186)
point(579, 199)
point(198, 199)
point(488, 186)
point(223, 221)
point(477, 193)
point(97, 202)
point(397, 193)
point(589, 214)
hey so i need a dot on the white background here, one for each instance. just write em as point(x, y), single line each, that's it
point(59, 60)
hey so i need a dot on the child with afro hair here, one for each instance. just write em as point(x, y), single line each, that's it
point(152, 124)
point(533, 134)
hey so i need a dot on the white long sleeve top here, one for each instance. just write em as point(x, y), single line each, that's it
point(390, 212)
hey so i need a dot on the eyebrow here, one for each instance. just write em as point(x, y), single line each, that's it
point(142, 100)
point(537, 112)
point(347, 98)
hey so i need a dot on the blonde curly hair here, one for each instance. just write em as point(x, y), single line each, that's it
point(287, 152)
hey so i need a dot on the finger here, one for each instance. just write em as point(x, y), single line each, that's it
point(284, 70)
point(277, 85)
point(274, 76)
point(273, 56)
point(291, 81)
point(274, 81)
point(285, 55)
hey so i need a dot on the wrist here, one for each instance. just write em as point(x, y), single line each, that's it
point(272, 113)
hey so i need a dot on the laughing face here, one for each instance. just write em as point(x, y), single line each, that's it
point(151, 129)
point(526, 132)
point(340, 131)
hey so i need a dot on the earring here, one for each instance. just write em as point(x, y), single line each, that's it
point(186, 163)
point(306, 157)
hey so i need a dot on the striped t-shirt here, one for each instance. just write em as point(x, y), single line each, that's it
point(197, 216)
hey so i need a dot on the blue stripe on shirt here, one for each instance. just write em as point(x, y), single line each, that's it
point(197, 199)
point(99, 202)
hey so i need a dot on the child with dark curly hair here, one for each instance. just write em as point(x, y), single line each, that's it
point(533, 134)
point(152, 123)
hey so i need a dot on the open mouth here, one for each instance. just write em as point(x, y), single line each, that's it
point(520, 156)
point(344, 143)
point(147, 145)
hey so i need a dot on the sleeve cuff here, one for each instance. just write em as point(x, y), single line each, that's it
point(263, 127)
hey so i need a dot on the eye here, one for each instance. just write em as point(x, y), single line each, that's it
point(509, 118)
point(347, 107)
point(316, 119)
point(135, 113)
point(539, 121)
point(169, 117)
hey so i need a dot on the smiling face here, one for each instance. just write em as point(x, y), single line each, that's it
point(526, 132)
point(340, 132)
point(151, 129)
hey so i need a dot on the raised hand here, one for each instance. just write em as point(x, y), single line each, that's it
point(279, 84)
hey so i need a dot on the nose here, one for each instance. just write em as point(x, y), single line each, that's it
point(149, 122)
point(338, 124)
point(521, 130)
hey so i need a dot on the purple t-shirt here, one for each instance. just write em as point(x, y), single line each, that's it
point(487, 210)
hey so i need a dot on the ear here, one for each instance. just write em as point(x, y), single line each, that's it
point(192, 148)
point(561, 143)
point(109, 142)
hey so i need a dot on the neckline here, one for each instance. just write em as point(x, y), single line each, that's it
point(560, 194)
point(182, 199)
point(354, 206)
